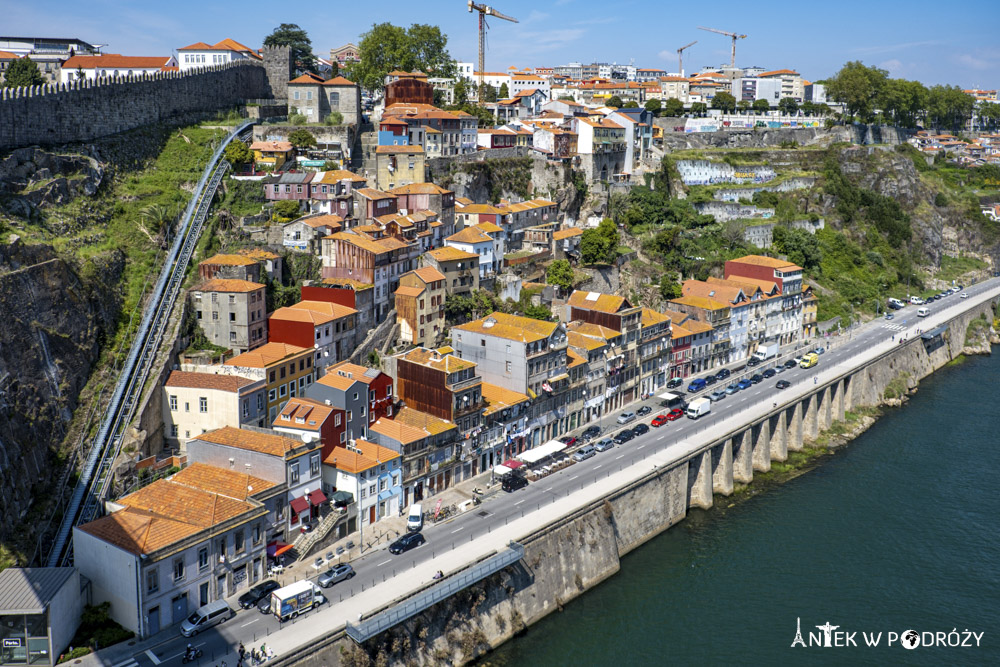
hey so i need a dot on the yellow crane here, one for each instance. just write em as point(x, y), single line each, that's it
point(680, 57)
point(484, 11)
point(734, 36)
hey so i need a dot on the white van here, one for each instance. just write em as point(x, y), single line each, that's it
point(923, 312)
point(415, 520)
point(205, 617)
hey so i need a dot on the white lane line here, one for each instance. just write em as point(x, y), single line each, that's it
point(384, 562)
point(253, 621)
point(519, 501)
point(127, 663)
point(156, 661)
point(620, 456)
point(458, 529)
point(573, 477)
point(640, 446)
point(596, 467)
point(548, 489)
point(660, 438)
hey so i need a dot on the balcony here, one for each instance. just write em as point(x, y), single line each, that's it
point(465, 384)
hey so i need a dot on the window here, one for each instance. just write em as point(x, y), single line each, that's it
point(187, 407)
point(173, 403)
point(257, 534)
point(509, 366)
point(202, 404)
point(203, 558)
point(232, 317)
point(215, 315)
point(293, 473)
point(295, 95)
point(178, 569)
point(282, 390)
point(152, 581)
point(336, 421)
point(246, 407)
point(173, 430)
point(239, 539)
point(260, 402)
point(232, 298)
point(314, 465)
point(482, 342)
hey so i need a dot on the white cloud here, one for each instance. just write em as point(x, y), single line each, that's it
point(979, 60)
point(666, 54)
point(892, 48)
point(893, 66)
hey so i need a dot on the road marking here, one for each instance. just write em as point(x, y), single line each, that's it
point(519, 502)
point(660, 438)
point(384, 562)
point(457, 529)
point(640, 446)
point(573, 477)
point(620, 456)
point(596, 467)
point(128, 663)
point(253, 621)
point(548, 489)
point(156, 661)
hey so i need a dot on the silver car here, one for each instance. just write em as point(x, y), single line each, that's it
point(335, 575)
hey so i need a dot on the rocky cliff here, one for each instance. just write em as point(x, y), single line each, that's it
point(54, 317)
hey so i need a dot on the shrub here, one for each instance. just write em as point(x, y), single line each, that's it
point(335, 118)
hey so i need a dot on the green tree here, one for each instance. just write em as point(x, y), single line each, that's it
point(654, 105)
point(567, 98)
point(699, 108)
point(294, 37)
point(387, 47)
point(487, 93)
point(285, 210)
point(538, 312)
point(858, 87)
point(673, 108)
point(504, 93)
point(23, 72)
point(238, 152)
point(725, 102)
point(761, 106)
point(599, 245)
point(669, 288)
point(788, 105)
point(948, 107)
point(302, 138)
point(334, 118)
point(800, 246)
point(560, 274)
point(614, 102)
point(461, 92)
point(631, 104)
point(743, 106)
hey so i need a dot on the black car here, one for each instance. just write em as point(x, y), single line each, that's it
point(675, 382)
point(711, 379)
point(643, 411)
point(783, 384)
point(640, 429)
point(723, 374)
point(790, 363)
point(752, 361)
point(591, 432)
point(757, 378)
point(513, 481)
point(624, 436)
point(264, 606)
point(406, 542)
point(769, 373)
point(259, 592)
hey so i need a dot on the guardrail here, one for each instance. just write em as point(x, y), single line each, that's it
point(96, 475)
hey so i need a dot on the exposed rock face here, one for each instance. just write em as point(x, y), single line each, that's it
point(51, 325)
point(33, 178)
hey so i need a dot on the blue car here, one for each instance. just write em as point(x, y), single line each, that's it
point(744, 384)
point(697, 385)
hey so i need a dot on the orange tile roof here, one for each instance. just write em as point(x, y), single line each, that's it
point(604, 303)
point(307, 78)
point(489, 227)
point(593, 330)
point(449, 253)
point(470, 235)
point(259, 254)
point(7, 55)
point(419, 189)
point(749, 286)
point(651, 317)
point(338, 175)
point(511, 327)
point(399, 431)
point(577, 339)
point(227, 285)
point(367, 456)
point(254, 441)
point(418, 419)
point(761, 260)
point(428, 274)
point(314, 312)
point(115, 60)
point(216, 381)
point(405, 150)
point(573, 359)
point(334, 221)
point(276, 146)
point(700, 302)
point(312, 413)
point(677, 331)
point(446, 363)
point(266, 355)
point(363, 373)
point(232, 45)
point(726, 293)
point(229, 483)
point(372, 193)
point(567, 233)
point(778, 71)
point(348, 282)
point(228, 260)
point(403, 290)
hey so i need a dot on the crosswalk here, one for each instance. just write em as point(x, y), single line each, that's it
point(131, 662)
point(893, 327)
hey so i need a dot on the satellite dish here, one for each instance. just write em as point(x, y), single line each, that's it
point(307, 438)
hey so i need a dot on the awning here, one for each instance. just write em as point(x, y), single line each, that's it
point(513, 464)
point(300, 504)
point(277, 548)
point(385, 495)
point(594, 402)
point(670, 395)
point(560, 377)
point(342, 498)
point(538, 453)
point(501, 470)
point(317, 497)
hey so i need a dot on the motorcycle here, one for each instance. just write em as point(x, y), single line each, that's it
point(191, 656)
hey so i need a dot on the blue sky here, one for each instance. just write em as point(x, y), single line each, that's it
point(934, 42)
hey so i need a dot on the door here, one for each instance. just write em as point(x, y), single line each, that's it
point(153, 620)
point(179, 608)
point(220, 587)
point(371, 514)
point(203, 594)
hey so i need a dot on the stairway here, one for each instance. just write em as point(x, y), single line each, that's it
point(306, 541)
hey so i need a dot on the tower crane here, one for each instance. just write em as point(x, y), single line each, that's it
point(734, 36)
point(680, 57)
point(484, 11)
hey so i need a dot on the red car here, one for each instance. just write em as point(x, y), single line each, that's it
point(568, 440)
point(674, 414)
point(659, 420)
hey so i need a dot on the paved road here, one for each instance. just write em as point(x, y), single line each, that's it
point(251, 627)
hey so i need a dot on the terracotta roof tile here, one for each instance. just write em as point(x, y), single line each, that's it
point(312, 413)
point(449, 253)
point(228, 260)
point(266, 355)
point(227, 285)
point(604, 303)
point(218, 381)
point(367, 456)
point(511, 327)
point(264, 443)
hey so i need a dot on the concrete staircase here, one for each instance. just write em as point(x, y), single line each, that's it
point(377, 338)
point(306, 541)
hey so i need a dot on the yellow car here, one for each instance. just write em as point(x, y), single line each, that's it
point(809, 360)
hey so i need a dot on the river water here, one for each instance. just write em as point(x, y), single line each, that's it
point(896, 531)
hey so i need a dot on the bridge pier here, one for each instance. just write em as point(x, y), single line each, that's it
point(762, 446)
point(722, 467)
point(700, 479)
point(779, 437)
point(823, 408)
point(743, 457)
point(810, 418)
point(838, 401)
point(794, 440)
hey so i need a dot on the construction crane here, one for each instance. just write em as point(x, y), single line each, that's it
point(680, 57)
point(484, 11)
point(734, 36)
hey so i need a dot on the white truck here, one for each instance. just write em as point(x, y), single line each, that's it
point(765, 352)
point(699, 407)
point(295, 599)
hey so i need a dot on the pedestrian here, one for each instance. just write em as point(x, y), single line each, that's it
point(815, 380)
point(243, 651)
point(270, 653)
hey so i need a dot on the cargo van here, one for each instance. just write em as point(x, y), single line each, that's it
point(923, 312)
point(896, 304)
point(697, 385)
point(809, 360)
point(415, 519)
point(699, 407)
point(205, 617)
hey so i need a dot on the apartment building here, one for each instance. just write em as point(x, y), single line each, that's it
point(329, 328)
point(230, 313)
point(195, 403)
point(286, 369)
point(787, 276)
point(460, 269)
point(420, 306)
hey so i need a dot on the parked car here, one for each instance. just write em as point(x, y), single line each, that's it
point(568, 440)
point(744, 384)
point(643, 411)
point(640, 429)
point(407, 542)
point(697, 385)
point(791, 363)
point(732, 389)
point(659, 420)
point(626, 417)
point(675, 414)
point(335, 575)
point(964, 295)
point(717, 396)
point(781, 368)
point(604, 445)
point(820, 350)
point(752, 361)
point(756, 378)
point(722, 374)
point(264, 604)
point(512, 482)
point(889, 316)
point(783, 384)
point(769, 373)
point(584, 453)
point(674, 382)
point(591, 432)
point(711, 379)
point(624, 436)
point(258, 592)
